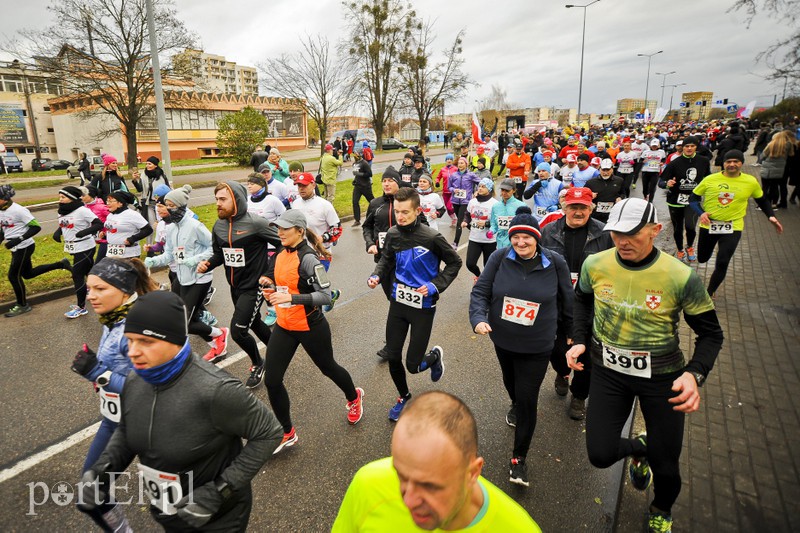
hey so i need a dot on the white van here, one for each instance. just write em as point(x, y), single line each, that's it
point(359, 136)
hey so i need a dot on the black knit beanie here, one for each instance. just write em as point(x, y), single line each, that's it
point(160, 315)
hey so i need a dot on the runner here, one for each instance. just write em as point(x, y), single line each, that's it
point(419, 169)
point(482, 241)
point(188, 243)
point(261, 201)
point(575, 236)
point(521, 296)
point(679, 178)
point(17, 228)
point(585, 171)
point(185, 421)
point(431, 203)
point(607, 190)
point(240, 242)
point(652, 163)
point(414, 251)
point(407, 168)
point(441, 489)
point(124, 227)
point(626, 167)
point(275, 187)
point(97, 206)
point(362, 186)
point(519, 164)
point(724, 205)
point(77, 225)
point(544, 190)
point(461, 185)
point(115, 284)
point(443, 180)
point(567, 171)
point(503, 211)
point(628, 303)
point(298, 286)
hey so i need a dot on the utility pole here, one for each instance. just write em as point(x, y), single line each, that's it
point(159, 91)
point(647, 83)
point(583, 43)
point(663, 82)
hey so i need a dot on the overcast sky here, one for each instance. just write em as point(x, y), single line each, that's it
point(529, 48)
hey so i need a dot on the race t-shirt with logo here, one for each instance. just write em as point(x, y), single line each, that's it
point(725, 198)
point(430, 204)
point(626, 162)
point(269, 207)
point(14, 223)
point(71, 224)
point(320, 214)
point(566, 174)
point(118, 227)
point(651, 160)
point(639, 308)
point(480, 220)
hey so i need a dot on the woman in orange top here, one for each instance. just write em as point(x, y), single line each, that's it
point(297, 285)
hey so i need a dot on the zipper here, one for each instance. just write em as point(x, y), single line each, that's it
point(152, 415)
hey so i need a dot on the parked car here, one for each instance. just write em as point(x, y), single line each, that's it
point(57, 164)
point(95, 167)
point(12, 162)
point(393, 144)
point(39, 164)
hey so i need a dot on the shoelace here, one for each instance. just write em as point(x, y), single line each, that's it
point(659, 522)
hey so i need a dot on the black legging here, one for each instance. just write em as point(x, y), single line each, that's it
point(772, 189)
point(579, 387)
point(358, 192)
point(649, 182)
point(21, 268)
point(461, 211)
point(280, 351)
point(727, 246)
point(474, 251)
point(523, 374)
point(247, 316)
point(193, 296)
point(613, 395)
point(627, 181)
point(82, 263)
point(402, 317)
point(683, 218)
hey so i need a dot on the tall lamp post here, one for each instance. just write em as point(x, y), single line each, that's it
point(663, 81)
point(583, 42)
point(647, 83)
point(672, 93)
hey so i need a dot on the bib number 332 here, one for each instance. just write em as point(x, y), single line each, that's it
point(519, 311)
point(408, 296)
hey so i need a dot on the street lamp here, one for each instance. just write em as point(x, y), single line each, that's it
point(663, 81)
point(672, 92)
point(583, 42)
point(647, 83)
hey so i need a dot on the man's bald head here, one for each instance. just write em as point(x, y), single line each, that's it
point(445, 412)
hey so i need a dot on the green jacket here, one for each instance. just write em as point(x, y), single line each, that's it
point(329, 168)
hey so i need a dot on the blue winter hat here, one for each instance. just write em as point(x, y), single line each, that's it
point(449, 156)
point(543, 166)
point(161, 190)
point(365, 144)
point(488, 183)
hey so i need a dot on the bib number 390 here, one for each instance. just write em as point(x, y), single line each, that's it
point(163, 489)
point(408, 296)
point(632, 363)
point(519, 311)
point(234, 257)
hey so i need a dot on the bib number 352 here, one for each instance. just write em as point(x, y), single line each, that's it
point(408, 296)
point(234, 257)
point(632, 363)
point(519, 311)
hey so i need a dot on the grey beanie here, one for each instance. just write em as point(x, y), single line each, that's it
point(180, 196)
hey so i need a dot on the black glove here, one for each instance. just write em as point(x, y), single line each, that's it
point(10, 243)
point(198, 507)
point(85, 361)
point(94, 488)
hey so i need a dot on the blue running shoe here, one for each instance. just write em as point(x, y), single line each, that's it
point(437, 368)
point(271, 317)
point(76, 312)
point(394, 412)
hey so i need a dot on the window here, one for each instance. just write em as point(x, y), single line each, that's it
point(46, 108)
point(50, 130)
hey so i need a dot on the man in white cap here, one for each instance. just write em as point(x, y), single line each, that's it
point(628, 302)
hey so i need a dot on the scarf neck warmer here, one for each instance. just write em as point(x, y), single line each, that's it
point(175, 215)
point(257, 197)
point(425, 191)
point(114, 316)
point(161, 374)
point(153, 174)
point(66, 209)
point(483, 197)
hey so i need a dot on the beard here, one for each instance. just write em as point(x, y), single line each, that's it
point(224, 213)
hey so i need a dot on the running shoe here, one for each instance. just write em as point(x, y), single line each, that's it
point(639, 469)
point(65, 264)
point(18, 310)
point(335, 293)
point(692, 256)
point(437, 368)
point(518, 472)
point(289, 439)
point(219, 347)
point(76, 312)
point(207, 318)
point(256, 376)
point(383, 354)
point(511, 416)
point(355, 409)
point(577, 409)
point(271, 317)
point(455, 246)
point(453, 222)
point(209, 295)
point(356, 224)
point(681, 255)
point(562, 385)
point(394, 412)
point(659, 523)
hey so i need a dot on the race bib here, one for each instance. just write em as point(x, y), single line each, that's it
point(234, 257)
point(573, 276)
point(406, 178)
point(632, 363)
point(683, 199)
point(517, 180)
point(179, 253)
point(116, 250)
point(163, 488)
point(719, 227)
point(408, 296)
point(625, 169)
point(460, 193)
point(109, 404)
point(653, 164)
point(604, 207)
point(567, 180)
point(540, 212)
point(69, 247)
point(504, 222)
point(479, 225)
point(519, 311)
point(381, 239)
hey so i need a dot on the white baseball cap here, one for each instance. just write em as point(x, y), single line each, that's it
point(631, 215)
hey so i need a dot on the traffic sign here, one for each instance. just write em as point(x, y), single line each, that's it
point(638, 116)
point(684, 104)
point(732, 108)
point(699, 102)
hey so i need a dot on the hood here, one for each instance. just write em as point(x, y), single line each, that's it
point(239, 193)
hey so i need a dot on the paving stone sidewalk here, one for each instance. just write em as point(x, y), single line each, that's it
point(741, 451)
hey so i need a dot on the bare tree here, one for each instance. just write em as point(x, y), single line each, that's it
point(428, 85)
point(313, 78)
point(108, 64)
point(376, 32)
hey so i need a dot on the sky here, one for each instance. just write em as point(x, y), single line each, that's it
point(530, 48)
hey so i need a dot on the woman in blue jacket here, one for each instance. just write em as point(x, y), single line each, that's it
point(461, 185)
point(522, 296)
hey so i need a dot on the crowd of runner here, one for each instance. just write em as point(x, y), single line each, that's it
point(565, 274)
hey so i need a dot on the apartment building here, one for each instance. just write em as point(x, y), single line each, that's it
point(215, 73)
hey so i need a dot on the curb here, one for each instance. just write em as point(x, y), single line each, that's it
point(41, 297)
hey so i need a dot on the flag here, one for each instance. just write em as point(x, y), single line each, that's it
point(660, 114)
point(647, 115)
point(477, 134)
point(745, 113)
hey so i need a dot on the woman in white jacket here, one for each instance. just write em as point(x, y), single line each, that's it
point(189, 242)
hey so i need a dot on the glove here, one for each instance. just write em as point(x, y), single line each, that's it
point(94, 488)
point(198, 507)
point(10, 243)
point(190, 262)
point(149, 262)
point(85, 361)
point(489, 234)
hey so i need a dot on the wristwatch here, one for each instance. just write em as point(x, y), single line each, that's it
point(698, 377)
point(103, 379)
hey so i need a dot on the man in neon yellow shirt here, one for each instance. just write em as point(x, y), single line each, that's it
point(721, 201)
point(441, 489)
